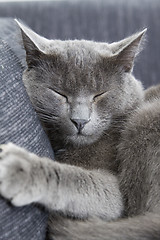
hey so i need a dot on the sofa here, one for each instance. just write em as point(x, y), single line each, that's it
point(99, 20)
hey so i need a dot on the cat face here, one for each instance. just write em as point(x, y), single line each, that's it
point(78, 87)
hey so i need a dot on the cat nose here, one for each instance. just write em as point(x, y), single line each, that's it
point(80, 123)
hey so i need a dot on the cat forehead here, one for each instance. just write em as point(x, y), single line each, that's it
point(77, 47)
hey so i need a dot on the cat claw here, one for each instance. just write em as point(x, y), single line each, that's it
point(6, 146)
point(2, 147)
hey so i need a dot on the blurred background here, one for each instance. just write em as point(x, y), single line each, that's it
point(99, 20)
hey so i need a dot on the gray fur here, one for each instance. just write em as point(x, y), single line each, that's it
point(152, 93)
point(110, 164)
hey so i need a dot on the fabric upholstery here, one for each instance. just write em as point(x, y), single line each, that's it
point(19, 124)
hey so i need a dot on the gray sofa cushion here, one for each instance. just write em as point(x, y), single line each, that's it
point(10, 32)
point(19, 124)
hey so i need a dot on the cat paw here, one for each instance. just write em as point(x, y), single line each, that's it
point(16, 174)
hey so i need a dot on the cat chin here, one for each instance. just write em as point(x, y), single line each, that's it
point(80, 140)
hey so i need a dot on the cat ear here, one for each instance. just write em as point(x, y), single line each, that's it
point(33, 43)
point(125, 51)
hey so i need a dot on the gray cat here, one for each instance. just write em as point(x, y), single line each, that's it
point(105, 130)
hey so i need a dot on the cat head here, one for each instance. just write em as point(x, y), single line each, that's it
point(78, 87)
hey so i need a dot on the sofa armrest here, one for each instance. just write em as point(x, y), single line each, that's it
point(19, 124)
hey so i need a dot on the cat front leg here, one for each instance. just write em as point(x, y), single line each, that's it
point(27, 178)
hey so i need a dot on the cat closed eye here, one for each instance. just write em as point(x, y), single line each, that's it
point(98, 96)
point(58, 93)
